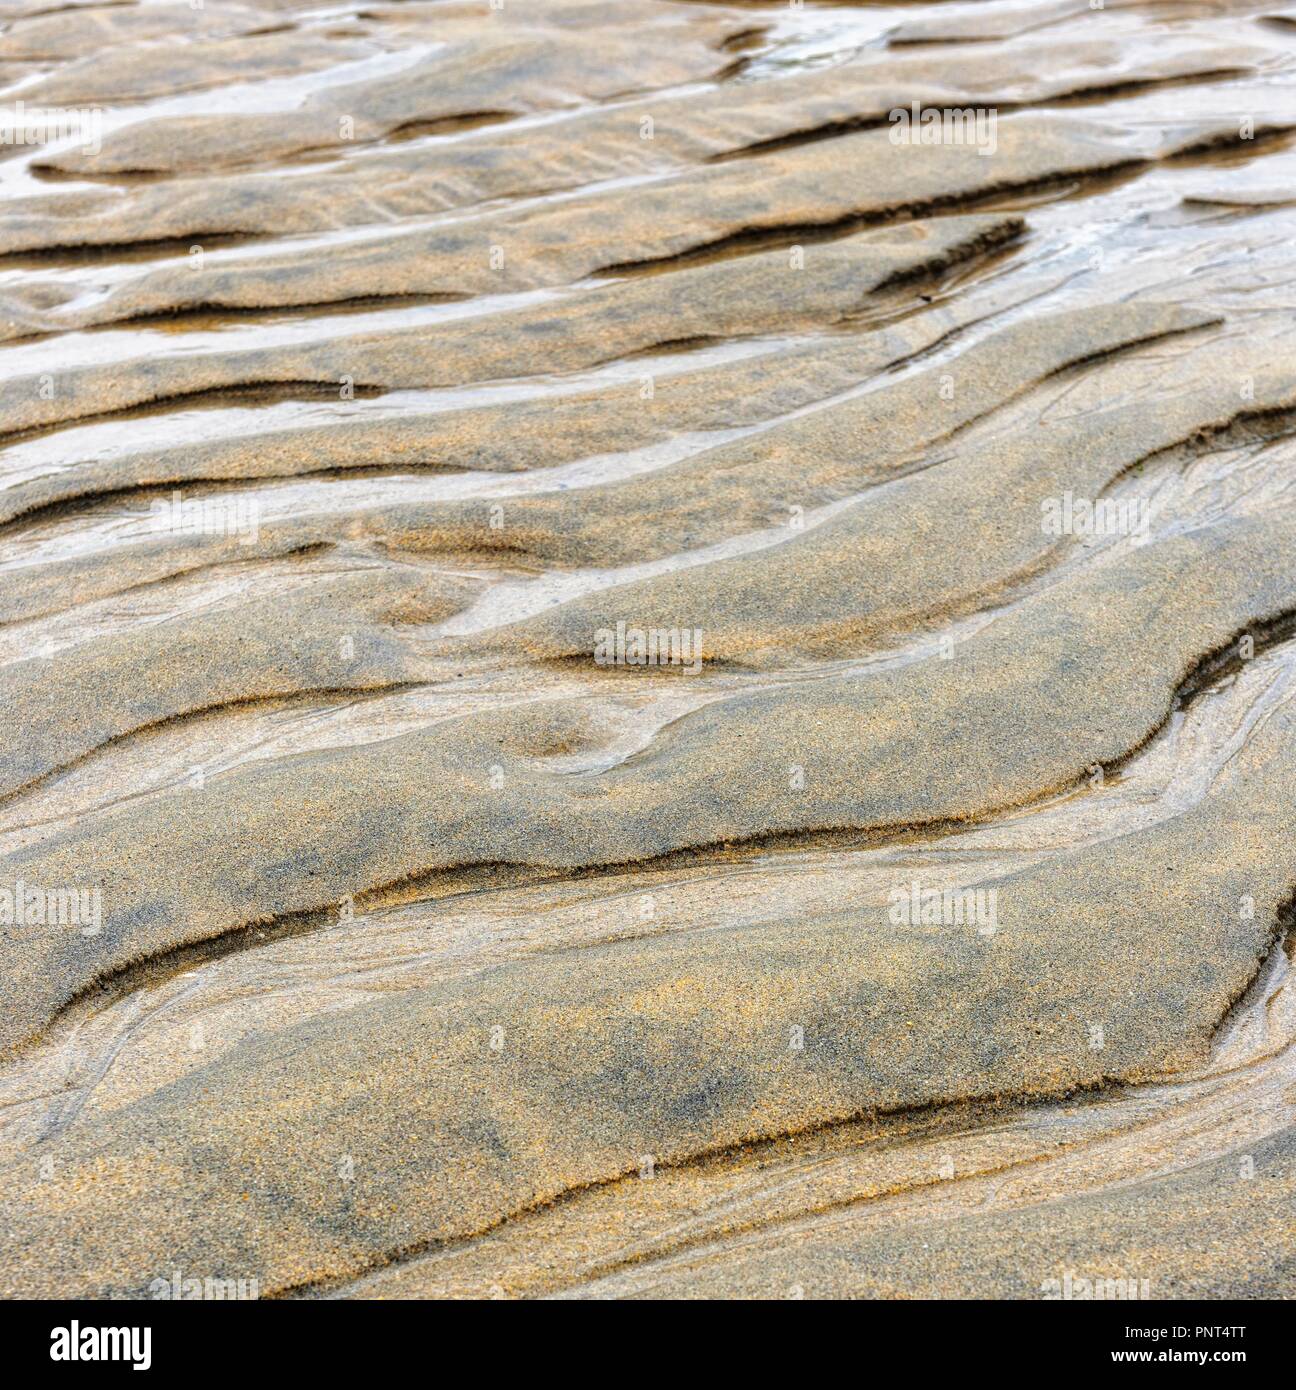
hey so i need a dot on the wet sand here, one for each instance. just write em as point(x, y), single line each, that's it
point(915, 919)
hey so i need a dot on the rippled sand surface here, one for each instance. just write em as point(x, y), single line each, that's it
point(648, 650)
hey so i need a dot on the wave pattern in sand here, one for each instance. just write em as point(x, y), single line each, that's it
point(636, 663)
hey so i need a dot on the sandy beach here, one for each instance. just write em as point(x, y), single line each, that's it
point(647, 650)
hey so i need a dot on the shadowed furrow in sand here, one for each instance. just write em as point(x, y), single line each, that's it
point(743, 486)
point(71, 31)
point(338, 635)
point(668, 1048)
point(853, 580)
point(163, 71)
point(458, 71)
point(842, 586)
point(787, 195)
point(584, 328)
point(588, 147)
point(1145, 1237)
point(1074, 678)
point(648, 408)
